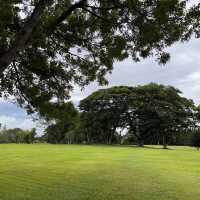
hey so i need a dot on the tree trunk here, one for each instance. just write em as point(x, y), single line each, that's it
point(140, 143)
point(88, 139)
point(164, 141)
point(111, 138)
point(24, 35)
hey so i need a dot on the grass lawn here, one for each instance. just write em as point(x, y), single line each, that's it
point(75, 172)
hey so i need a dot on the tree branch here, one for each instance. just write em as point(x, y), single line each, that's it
point(96, 15)
point(23, 35)
point(20, 88)
point(65, 14)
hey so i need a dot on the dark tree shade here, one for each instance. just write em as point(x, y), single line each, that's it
point(48, 45)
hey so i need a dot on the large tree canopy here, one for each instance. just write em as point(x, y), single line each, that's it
point(163, 111)
point(46, 46)
point(104, 112)
point(146, 111)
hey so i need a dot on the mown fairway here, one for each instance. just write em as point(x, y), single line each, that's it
point(73, 172)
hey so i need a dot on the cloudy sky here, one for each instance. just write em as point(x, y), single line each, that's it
point(183, 72)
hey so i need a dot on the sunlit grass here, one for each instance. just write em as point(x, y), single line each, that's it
point(75, 172)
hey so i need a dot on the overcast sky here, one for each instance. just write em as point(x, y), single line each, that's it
point(182, 71)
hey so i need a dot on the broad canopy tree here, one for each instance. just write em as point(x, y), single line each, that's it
point(47, 46)
point(163, 111)
point(146, 111)
point(102, 113)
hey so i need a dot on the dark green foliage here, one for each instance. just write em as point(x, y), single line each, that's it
point(129, 139)
point(46, 46)
point(196, 139)
point(152, 113)
point(103, 112)
point(63, 122)
point(163, 111)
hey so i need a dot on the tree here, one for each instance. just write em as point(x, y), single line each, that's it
point(29, 136)
point(164, 110)
point(62, 119)
point(33, 134)
point(150, 111)
point(196, 139)
point(3, 137)
point(17, 135)
point(102, 113)
point(46, 45)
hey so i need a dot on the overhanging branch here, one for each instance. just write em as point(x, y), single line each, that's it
point(23, 35)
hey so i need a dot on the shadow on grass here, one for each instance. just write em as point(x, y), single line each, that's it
point(156, 147)
point(141, 147)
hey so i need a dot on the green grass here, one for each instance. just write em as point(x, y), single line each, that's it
point(75, 172)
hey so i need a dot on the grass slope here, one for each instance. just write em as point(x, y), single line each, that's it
point(75, 172)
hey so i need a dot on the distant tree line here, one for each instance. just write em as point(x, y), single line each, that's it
point(149, 114)
point(17, 135)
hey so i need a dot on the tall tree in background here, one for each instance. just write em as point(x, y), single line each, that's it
point(62, 119)
point(46, 46)
point(163, 111)
point(103, 112)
